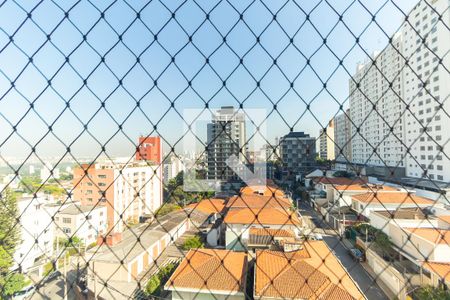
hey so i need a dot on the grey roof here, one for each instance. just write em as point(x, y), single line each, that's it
point(76, 209)
point(148, 234)
point(296, 134)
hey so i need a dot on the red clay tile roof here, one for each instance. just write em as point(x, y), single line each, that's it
point(272, 232)
point(266, 190)
point(440, 269)
point(433, 235)
point(210, 270)
point(392, 198)
point(446, 219)
point(318, 275)
point(209, 206)
point(257, 201)
point(263, 216)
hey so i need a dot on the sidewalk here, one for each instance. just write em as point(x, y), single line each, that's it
point(380, 283)
point(371, 273)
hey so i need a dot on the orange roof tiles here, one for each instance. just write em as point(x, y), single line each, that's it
point(433, 235)
point(257, 201)
point(445, 218)
point(272, 232)
point(318, 275)
point(263, 216)
point(210, 270)
point(266, 190)
point(209, 206)
point(392, 198)
point(440, 269)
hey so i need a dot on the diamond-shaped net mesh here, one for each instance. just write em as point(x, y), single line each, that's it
point(224, 149)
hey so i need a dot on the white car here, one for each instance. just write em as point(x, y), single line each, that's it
point(318, 237)
point(25, 293)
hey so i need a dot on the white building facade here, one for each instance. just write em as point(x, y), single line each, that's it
point(83, 221)
point(36, 231)
point(427, 88)
point(398, 102)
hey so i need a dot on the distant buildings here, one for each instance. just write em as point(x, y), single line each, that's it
point(128, 191)
point(149, 148)
point(83, 221)
point(48, 172)
point(326, 142)
point(398, 106)
point(343, 139)
point(298, 153)
point(36, 231)
point(226, 137)
point(172, 166)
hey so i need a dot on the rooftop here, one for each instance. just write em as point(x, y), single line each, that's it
point(440, 269)
point(208, 206)
point(76, 209)
point(340, 181)
point(211, 270)
point(264, 189)
point(415, 213)
point(433, 235)
point(317, 275)
point(266, 236)
point(129, 248)
point(296, 134)
point(258, 201)
point(367, 187)
point(392, 198)
point(263, 216)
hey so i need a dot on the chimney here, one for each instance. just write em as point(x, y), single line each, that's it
point(111, 239)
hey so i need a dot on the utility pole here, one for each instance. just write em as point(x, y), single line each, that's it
point(65, 278)
point(95, 281)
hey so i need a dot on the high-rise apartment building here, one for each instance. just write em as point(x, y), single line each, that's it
point(427, 89)
point(326, 142)
point(149, 148)
point(226, 136)
point(298, 153)
point(398, 101)
point(343, 138)
point(128, 191)
point(376, 107)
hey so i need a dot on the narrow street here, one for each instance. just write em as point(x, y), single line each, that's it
point(365, 282)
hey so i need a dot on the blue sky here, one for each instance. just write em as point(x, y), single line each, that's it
point(155, 62)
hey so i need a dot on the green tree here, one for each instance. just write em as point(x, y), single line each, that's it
point(156, 282)
point(192, 243)
point(9, 239)
point(431, 293)
point(153, 285)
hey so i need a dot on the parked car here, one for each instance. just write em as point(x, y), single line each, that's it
point(356, 254)
point(52, 276)
point(24, 293)
point(318, 237)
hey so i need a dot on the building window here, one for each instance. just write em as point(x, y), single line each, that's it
point(67, 220)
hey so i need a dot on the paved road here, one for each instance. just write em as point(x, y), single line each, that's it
point(356, 271)
point(365, 282)
point(55, 289)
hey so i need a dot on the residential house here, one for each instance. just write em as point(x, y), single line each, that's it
point(83, 221)
point(311, 272)
point(238, 223)
point(209, 274)
point(364, 204)
point(36, 231)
